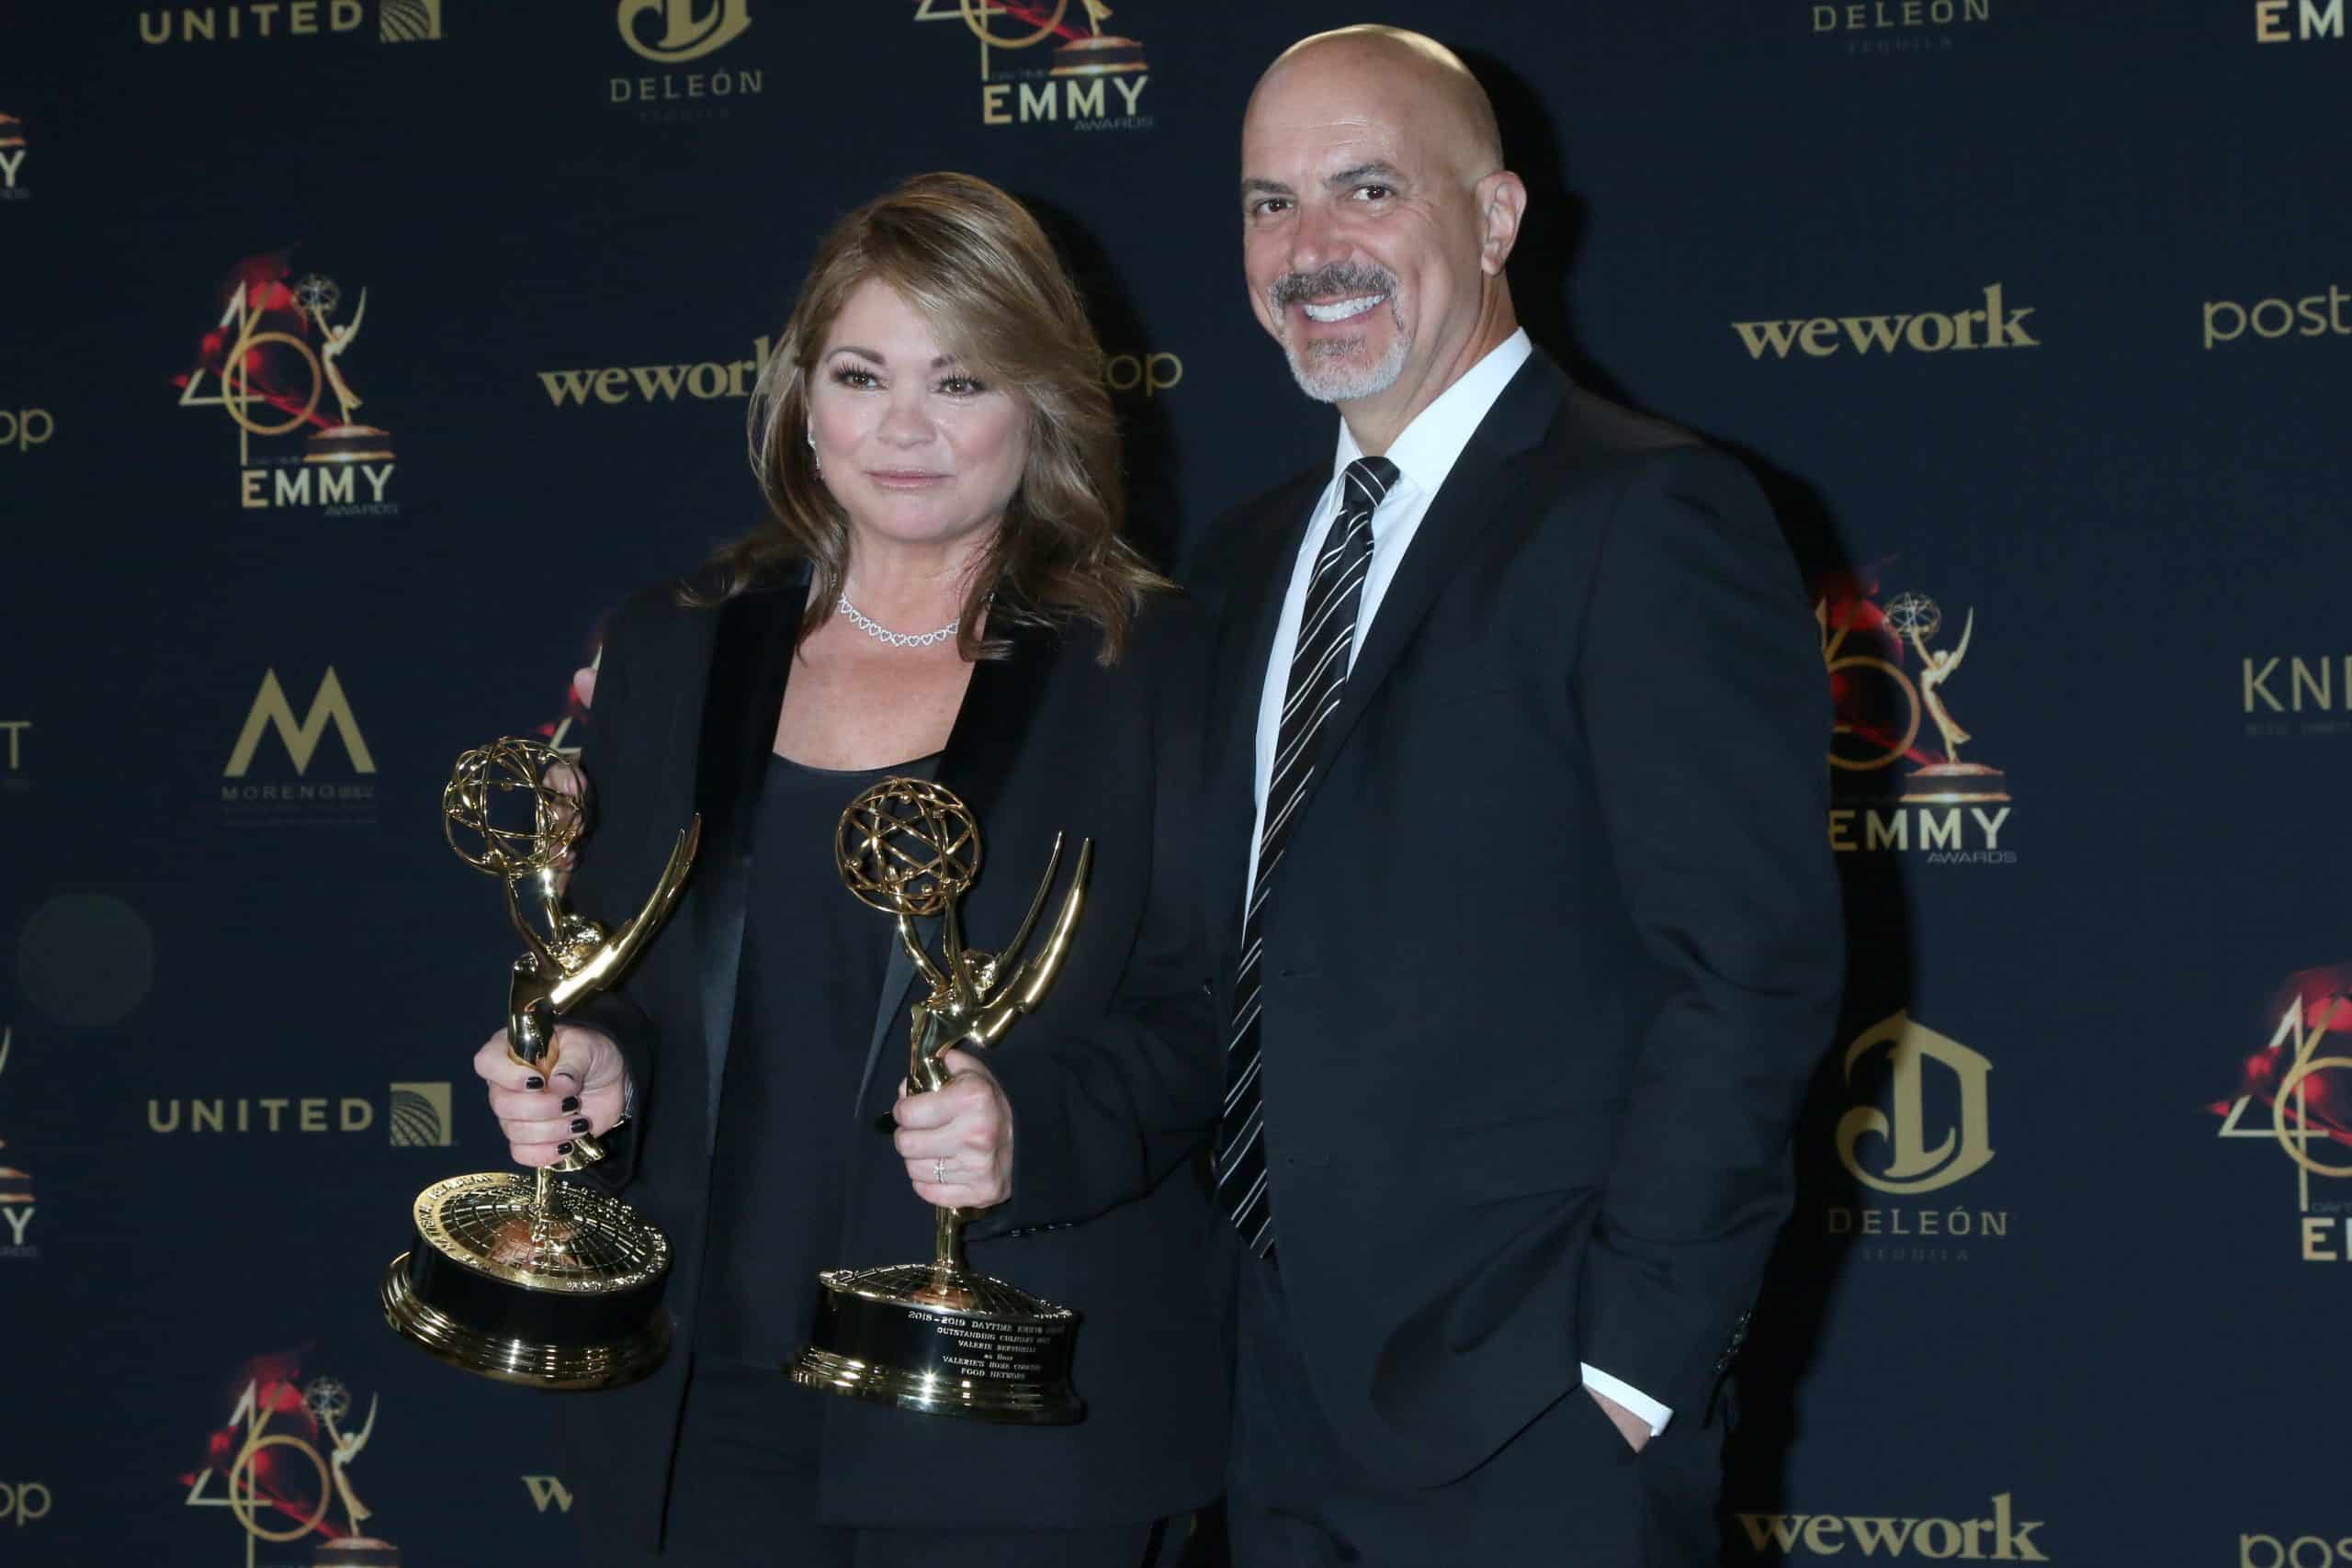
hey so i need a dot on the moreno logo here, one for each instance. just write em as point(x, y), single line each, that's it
point(656, 383)
point(1995, 325)
point(2004, 1537)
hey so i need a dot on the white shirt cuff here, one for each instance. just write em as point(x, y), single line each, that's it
point(1626, 1394)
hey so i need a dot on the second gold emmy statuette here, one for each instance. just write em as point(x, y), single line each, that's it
point(937, 1338)
point(528, 1280)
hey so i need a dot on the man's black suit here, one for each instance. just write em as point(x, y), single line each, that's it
point(1110, 1083)
point(1554, 941)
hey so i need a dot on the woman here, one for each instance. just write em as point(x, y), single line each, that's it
point(941, 591)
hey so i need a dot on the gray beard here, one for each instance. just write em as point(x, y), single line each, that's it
point(1327, 375)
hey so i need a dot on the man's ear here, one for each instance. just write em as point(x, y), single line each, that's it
point(1502, 202)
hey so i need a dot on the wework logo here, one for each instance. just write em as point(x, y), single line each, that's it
point(657, 383)
point(1995, 325)
point(2004, 1537)
point(270, 708)
point(547, 1490)
point(2312, 19)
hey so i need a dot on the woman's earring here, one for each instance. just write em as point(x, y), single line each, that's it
point(812, 447)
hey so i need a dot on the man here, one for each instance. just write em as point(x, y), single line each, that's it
point(1531, 931)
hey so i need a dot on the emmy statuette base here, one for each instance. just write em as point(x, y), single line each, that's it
point(936, 1339)
point(569, 1298)
point(509, 1358)
point(1956, 784)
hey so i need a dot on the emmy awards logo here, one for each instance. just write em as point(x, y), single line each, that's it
point(2291, 1076)
point(12, 157)
point(530, 1280)
point(17, 1206)
point(346, 441)
point(937, 1338)
point(283, 1485)
point(1083, 62)
point(1881, 707)
point(274, 354)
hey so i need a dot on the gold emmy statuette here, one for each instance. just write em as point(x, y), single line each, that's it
point(935, 1336)
point(520, 1278)
point(1951, 782)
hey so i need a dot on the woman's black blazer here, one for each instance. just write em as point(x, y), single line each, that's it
point(1112, 1082)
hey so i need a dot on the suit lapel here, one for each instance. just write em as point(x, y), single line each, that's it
point(1475, 494)
point(981, 748)
point(751, 659)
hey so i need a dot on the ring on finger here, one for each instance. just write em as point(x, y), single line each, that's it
point(939, 1172)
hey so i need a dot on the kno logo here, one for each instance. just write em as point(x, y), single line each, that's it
point(397, 21)
point(2286, 685)
point(1997, 324)
point(656, 383)
point(1911, 1163)
point(418, 1118)
point(2312, 19)
point(547, 1490)
point(271, 710)
point(2004, 1537)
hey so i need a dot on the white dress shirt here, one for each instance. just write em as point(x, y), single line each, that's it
point(1424, 455)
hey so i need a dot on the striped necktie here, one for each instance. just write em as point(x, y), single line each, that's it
point(1319, 675)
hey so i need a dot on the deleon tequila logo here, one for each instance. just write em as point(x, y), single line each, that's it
point(1932, 1130)
point(1888, 670)
point(2295, 1094)
point(282, 1463)
point(1092, 79)
point(275, 355)
point(676, 33)
point(15, 1184)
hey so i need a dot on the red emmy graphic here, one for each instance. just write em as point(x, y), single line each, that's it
point(281, 1466)
point(275, 353)
point(2296, 1092)
point(1888, 666)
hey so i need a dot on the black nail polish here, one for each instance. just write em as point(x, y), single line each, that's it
point(579, 1123)
point(534, 1082)
point(563, 1148)
point(571, 1102)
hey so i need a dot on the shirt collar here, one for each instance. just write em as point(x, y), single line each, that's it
point(1429, 446)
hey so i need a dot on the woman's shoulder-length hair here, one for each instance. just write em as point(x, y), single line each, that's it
point(975, 265)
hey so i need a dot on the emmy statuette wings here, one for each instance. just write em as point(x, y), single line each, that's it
point(529, 1280)
point(937, 1338)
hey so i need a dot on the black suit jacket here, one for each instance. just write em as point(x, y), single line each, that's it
point(1556, 938)
point(1110, 1081)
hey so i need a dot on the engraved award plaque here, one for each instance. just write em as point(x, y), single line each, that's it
point(523, 1278)
point(937, 1338)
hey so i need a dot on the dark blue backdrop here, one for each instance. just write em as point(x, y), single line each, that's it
point(2120, 1340)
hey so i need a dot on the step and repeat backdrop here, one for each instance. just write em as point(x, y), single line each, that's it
point(358, 353)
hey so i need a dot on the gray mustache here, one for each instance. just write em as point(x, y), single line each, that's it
point(1339, 277)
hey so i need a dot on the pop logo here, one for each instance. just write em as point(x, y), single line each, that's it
point(1150, 374)
point(23, 1502)
point(24, 429)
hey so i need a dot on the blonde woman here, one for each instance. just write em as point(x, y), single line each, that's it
point(942, 590)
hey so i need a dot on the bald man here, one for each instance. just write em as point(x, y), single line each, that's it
point(1531, 934)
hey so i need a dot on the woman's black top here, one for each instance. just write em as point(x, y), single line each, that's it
point(811, 976)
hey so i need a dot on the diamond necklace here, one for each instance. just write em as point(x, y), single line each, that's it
point(883, 634)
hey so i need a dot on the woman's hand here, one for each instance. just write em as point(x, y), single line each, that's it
point(542, 1109)
point(957, 1139)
